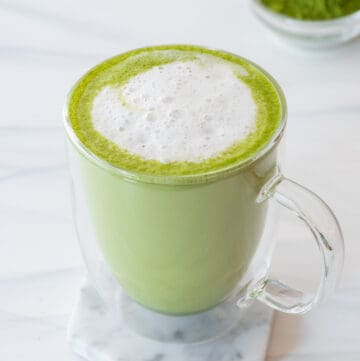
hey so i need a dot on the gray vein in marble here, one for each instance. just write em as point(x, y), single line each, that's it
point(98, 335)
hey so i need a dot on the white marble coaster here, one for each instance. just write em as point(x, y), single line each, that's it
point(95, 334)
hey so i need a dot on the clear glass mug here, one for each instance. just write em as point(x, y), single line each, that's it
point(181, 258)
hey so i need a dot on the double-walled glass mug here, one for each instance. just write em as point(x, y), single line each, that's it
point(181, 258)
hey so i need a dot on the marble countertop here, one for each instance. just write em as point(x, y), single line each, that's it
point(45, 46)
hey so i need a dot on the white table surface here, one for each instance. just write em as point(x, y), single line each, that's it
point(46, 45)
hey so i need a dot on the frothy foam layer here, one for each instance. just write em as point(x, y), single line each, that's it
point(182, 111)
point(174, 110)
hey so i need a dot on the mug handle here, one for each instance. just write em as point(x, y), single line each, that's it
point(321, 221)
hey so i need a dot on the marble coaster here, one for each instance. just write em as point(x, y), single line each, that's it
point(97, 335)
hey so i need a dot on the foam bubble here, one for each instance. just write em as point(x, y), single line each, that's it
point(181, 111)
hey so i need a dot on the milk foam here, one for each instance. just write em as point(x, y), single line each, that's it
point(182, 111)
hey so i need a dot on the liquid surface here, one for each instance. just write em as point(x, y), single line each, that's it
point(174, 110)
point(182, 111)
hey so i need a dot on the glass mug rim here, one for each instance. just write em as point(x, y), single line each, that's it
point(188, 179)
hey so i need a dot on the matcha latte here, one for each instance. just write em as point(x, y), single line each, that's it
point(174, 110)
point(169, 149)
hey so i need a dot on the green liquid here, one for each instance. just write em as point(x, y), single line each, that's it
point(118, 70)
point(175, 247)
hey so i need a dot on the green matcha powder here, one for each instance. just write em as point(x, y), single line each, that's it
point(313, 9)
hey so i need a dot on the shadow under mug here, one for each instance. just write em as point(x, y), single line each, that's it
point(190, 253)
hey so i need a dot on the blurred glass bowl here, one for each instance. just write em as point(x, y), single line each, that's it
point(309, 33)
